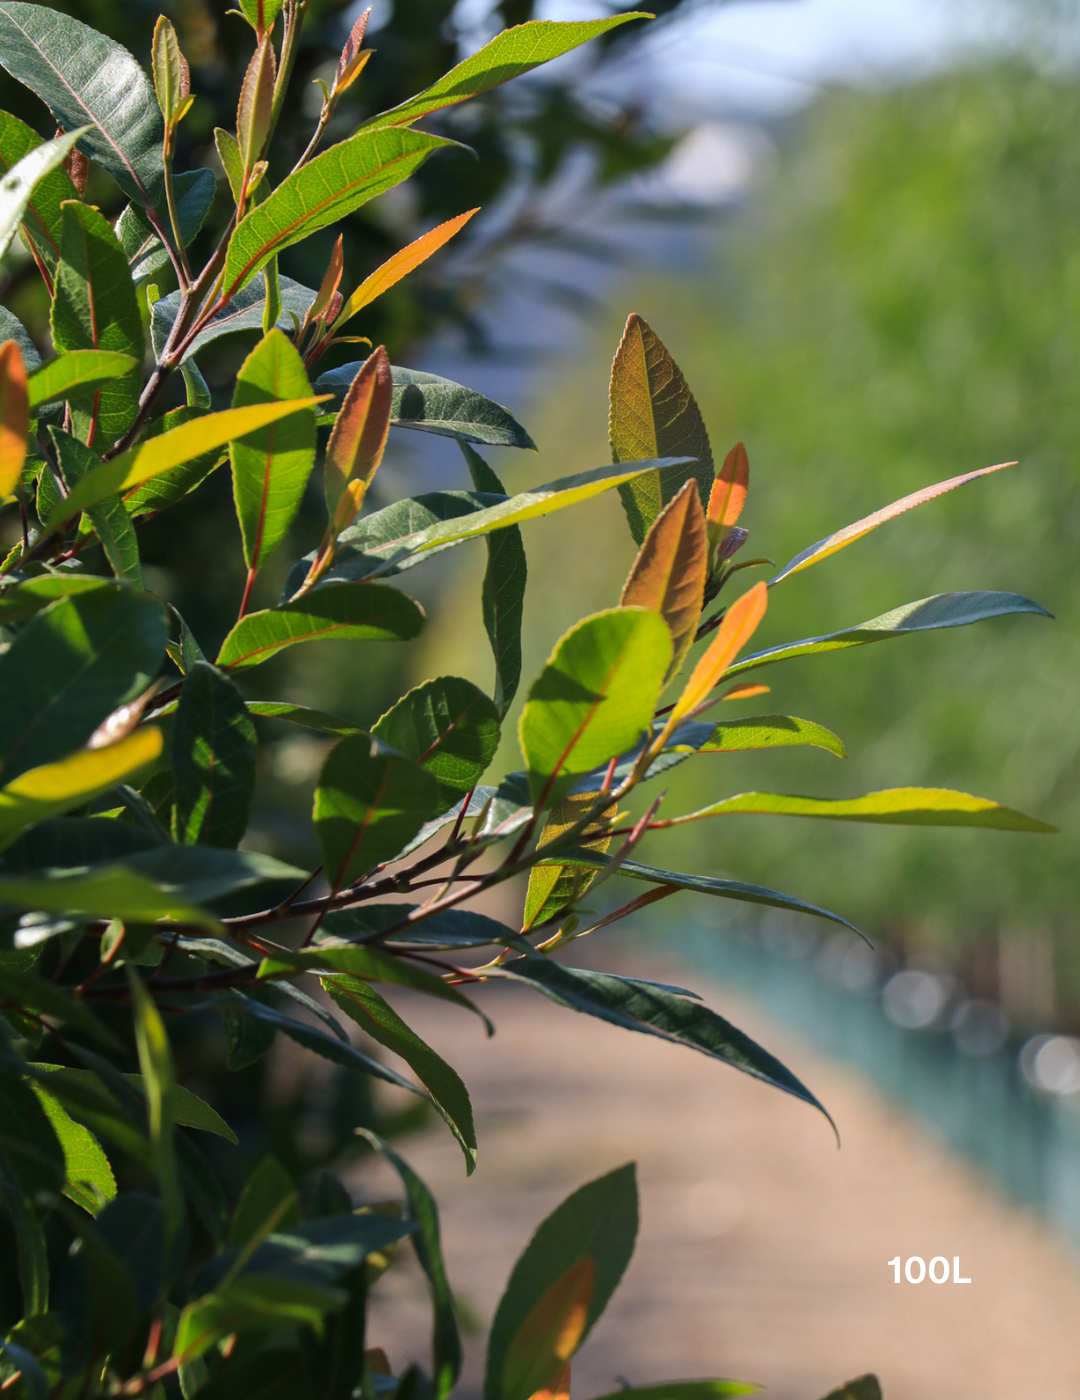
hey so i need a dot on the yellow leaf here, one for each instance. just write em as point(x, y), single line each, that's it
point(739, 624)
point(402, 263)
point(14, 416)
point(670, 571)
point(549, 1336)
point(653, 414)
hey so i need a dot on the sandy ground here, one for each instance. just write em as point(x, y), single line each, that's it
point(763, 1248)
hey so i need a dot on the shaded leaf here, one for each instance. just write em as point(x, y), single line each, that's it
point(213, 760)
point(552, 887)
point(448, 726)
point(109, 518)
point(11, 328)
point(654, 414)
point(503, 592)
point(245, 312)
point(341, 611)
point(449, 928)
point(193, 193)
point(684, 1390)
point(864, 1388)
point(670, 571)
point(266, 1375)
point(538, 1358)
point(269, 1201)
point(32, 993)
point(105, 892)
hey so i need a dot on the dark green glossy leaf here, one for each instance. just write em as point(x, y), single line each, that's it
point(243, 313)
point(449, 928)
point(427, 1241)
point(30, 1150)
point(214, 753)
point(11, 328)
point(194, 192)
point(97, 1300)
point(448, 726)
point(594, 698)
point(926, 615)
point(86, 78)
point(432, 404)
point(376, 1018)
point(598, 1222)
point(42, 218)
point(71, 841)
point(95, 309)
point(30, 1243)
point(205, 873)
point(503, 593)
point(368, 805)
point(269, 1201)
point(102, 892)
point(29, 992)
point(111, 522)
point(339, 611)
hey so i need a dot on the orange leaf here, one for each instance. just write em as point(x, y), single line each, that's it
point(330, 282)
point(739, 624)
point(559, 1389)
point(745, 691)
point(850, 533)
point(670, 571)
point(358, 439)
point(549, 1336)
point(402, 263)
point(14, 416)
point(728, 494)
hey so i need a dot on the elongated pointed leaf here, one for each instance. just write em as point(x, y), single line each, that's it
point(70, 667)
point(597, 1222)
point(303, 715)
point(892, 807)
point(271, 466)
point(109, 518)
point(648, 1008)
point(11, 328)
point(925, 615)
point(340, 611)
point(95, 309)
point(174, 484)
point(14, 416)
point(685, 1390)
point(89, 1179)
point(320, 193)
point(840, 539)
point(159, 1079)
point(670, 571)
point(654, 414)
point(76, 369)
point(106, 892)
point(52, 788)
point(538, 1358)
point(368, 805)
point(449, 928)
point(269, 1198)
point(448, 726)
point(193, 192)
point(553, 887)
point(213, 760)
point(374, 1015)
point(357, 440)
point(503, 593)
point(739, 624)
point(728, 495)
point(41, 217)
point(18, 185)
point(87, 79)
point(767, 732)
point(511, 53)
point(245, 312)
point(158, 454)
point(594, 698)
point(400, 265)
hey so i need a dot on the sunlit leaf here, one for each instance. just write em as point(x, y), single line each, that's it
point(74, 369)
point(89, 1179)
point(18, 185)
point(42, 217)
point(14, 416)
point(670, 571)
point(357, 440)
point(106, 892)
point(400, 265)
point(448, 726)
point(341, 611)
point(768, 732)
point(739, 624)
point(109, 518)
point(728, 495)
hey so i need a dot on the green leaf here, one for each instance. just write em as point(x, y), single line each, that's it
point(321, 193)
point(44, 792)
point(892, 807)
point(647, 1007)
point(189, 1111)
point(503, 594)
point(446, 1340)
point(511, 53)
point(73, 370)
point(18, 185)
point(707, 884)
point(261, 14)
point(654, 414)
point(95, 308)
point(413, 544)
point(42, 218)
point(89, 1180)
point(170, 486)
point(925, 615)
point(214, 754)
point(155, 455)
point(597, 1222)
point(448, 726)
point(367, 806)
point(684, 1390)
point(22, 600)
point(431, 404)
point(159, 1081)
point(302, 715)
point(109, 518)
point(671, 570)
point(193, 191)
point(70, 667)
point(269, 1201)
point(594, 698)
point(338, 612)
point(244, 313)
point(203, 873)
point(11, 328)
point(87, 79)
point(840, 539)
point(374, 1015)
point(106, 892)
point(764, 732)
point(271, 467)
point(864, 1388)
point(449, 928)
point(252, 1304)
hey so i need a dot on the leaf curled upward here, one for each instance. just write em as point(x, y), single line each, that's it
point(670, 571)
point(652, 413)
point(14, 416)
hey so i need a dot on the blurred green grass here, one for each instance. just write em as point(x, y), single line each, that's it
point(897, 303)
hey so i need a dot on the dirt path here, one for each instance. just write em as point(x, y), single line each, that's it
point(763, 1249)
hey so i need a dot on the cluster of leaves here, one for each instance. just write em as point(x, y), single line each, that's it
point(128, 758)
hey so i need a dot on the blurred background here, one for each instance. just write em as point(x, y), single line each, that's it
point(857, 228)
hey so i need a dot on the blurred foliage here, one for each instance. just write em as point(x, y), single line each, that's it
point(898, 302)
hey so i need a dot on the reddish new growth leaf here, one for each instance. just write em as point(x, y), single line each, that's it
point(14, 416)
point(728, 495)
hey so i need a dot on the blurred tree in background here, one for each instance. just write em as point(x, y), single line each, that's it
point(898, 301)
